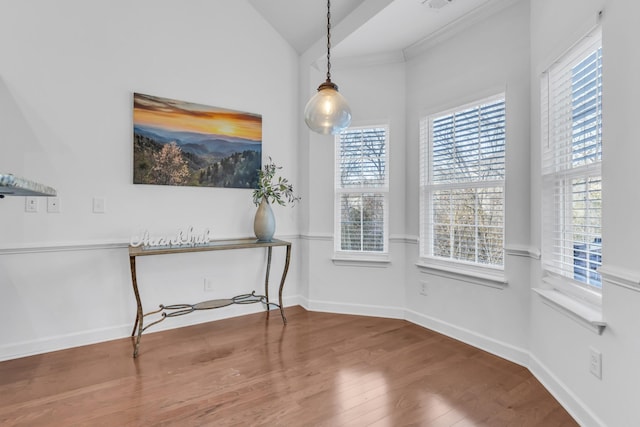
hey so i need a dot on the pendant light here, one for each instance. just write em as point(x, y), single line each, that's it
point(327, 112)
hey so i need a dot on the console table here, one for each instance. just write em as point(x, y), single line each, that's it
point(174, 310)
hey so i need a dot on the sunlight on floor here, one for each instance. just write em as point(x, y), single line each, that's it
point(369, 398)
point(362, 395)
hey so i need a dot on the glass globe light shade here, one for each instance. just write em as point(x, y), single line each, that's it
point(327, 112)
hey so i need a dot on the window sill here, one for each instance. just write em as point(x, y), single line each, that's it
point(573, 290)
point(491, 277)
point(365, 259)
point(586, 314)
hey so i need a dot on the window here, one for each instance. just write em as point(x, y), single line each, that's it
point(361, 191)
point(462, 184)
point(571, 102)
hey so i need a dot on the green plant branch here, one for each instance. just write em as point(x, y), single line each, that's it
point(275, 189)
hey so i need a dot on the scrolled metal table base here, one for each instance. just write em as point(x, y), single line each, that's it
point(175, 310)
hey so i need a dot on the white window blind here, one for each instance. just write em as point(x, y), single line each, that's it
point(462, 183)
point(361, 189)
point(571, 102)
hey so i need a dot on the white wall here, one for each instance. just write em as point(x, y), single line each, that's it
point(376, 96)
point(490, 57)
point(68, 70)
point(507, 52)
point(559, 345)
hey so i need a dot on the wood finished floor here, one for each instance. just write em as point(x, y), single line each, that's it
point(320, 370)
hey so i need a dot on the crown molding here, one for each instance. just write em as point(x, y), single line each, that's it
point(459, 25)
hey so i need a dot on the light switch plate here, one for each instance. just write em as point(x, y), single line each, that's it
point(31, 204)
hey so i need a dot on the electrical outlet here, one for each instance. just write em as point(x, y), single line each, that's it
point(423, 288)
point(53, 204)
point(595, 362)
point(31, 204)
point(99, 205)
point(209, 285)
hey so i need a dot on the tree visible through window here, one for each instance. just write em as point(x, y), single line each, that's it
point(361, 190)
point(462, 185)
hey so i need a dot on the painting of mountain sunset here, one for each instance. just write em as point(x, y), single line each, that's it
point(181, 143)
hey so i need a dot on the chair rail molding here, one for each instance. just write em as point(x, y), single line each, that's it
point(522, 251)
point(620, 277)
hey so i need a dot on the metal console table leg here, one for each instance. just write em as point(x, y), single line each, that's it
point(175, 310)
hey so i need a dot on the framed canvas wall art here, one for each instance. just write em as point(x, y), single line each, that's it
point(187, 144)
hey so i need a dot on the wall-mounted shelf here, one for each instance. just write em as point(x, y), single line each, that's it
point(11, 185)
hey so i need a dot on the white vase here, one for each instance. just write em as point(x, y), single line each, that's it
point(264, 224)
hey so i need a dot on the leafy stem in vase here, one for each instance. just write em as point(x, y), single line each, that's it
point(275, 189)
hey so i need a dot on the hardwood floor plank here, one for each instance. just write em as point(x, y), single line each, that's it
point(321, 369)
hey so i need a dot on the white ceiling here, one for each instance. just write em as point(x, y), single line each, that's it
point(303, 22)
point(369, 27)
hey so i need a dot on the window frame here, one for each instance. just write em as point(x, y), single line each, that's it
point(476, 272)
point(351, 257)
point(555, 175)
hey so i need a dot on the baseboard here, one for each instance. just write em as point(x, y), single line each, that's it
point(574, 406)
point(94, 336)
point(501, 349)
point(355, 309)
point(493, 346)
point(578, 410)
point(62, 342)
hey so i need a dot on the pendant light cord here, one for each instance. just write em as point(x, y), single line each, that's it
point(328, 40)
